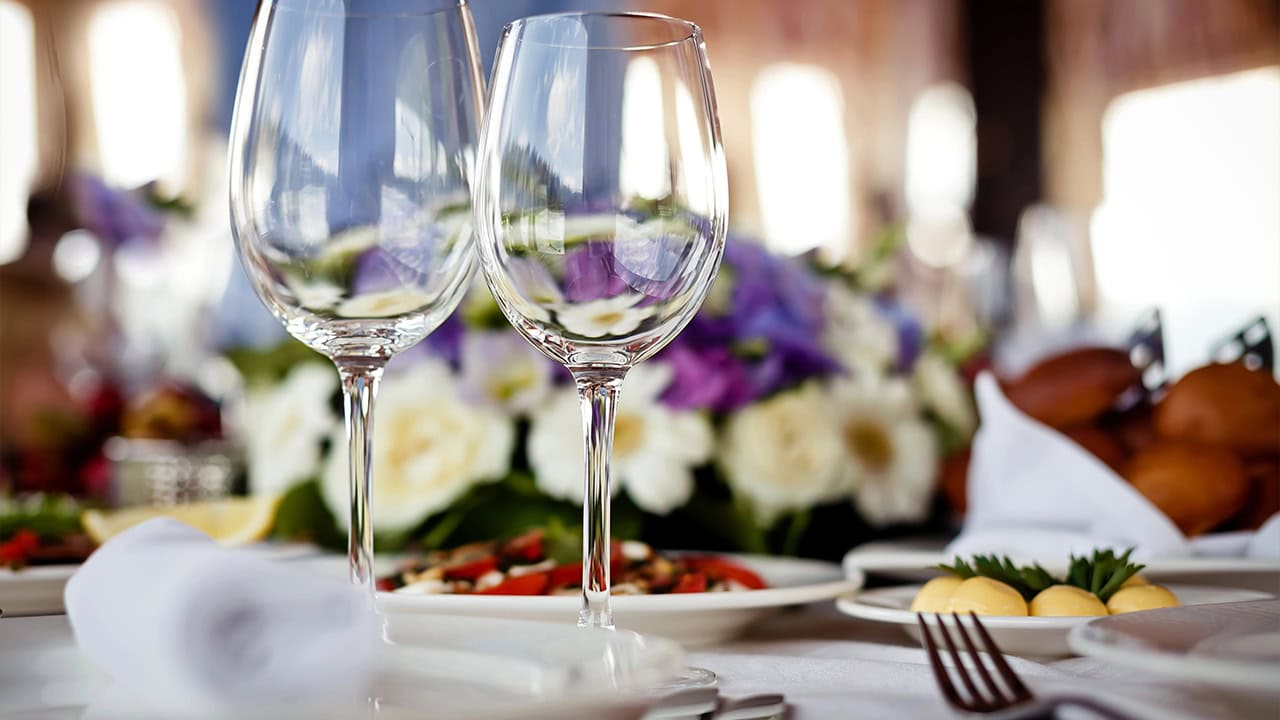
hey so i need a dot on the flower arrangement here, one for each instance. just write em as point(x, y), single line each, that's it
point(800, 405)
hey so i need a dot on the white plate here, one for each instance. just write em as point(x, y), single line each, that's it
point(37, 590)
point(1036, 636)
point(914, 560)
point(1235, 646)
point(693, 619)
point(465, 668)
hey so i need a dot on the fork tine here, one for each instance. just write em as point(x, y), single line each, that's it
point(1020, 691)
point(977, 661)
point(980, 701)
point(939, 672)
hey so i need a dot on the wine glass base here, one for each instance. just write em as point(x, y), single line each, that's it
point(691, 678)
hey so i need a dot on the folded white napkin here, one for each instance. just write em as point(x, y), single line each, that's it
point(1033, 493)
point(179, 620)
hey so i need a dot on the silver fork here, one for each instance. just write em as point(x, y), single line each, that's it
point(1015, 697)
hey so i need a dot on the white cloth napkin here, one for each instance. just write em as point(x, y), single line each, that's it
point(1033, 493)
point(179, 620)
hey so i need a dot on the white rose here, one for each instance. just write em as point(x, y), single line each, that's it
point(784, 453)
point(429, 447)
point(285, 425)
point(655, 448)
point(891, 453)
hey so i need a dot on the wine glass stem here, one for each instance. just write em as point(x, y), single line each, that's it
point(598, 390)
point(359, 387)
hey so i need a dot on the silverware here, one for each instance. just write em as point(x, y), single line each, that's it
point(1015, 700)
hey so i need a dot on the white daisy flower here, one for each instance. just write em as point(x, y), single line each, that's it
point(607, 317)
point(942, 391)
point(504, 370)
point(655, 448)
point(285, 426)
point(429, 447)
point(387, 303)
point(891, 453)
point(784, 453)
point(856, 333)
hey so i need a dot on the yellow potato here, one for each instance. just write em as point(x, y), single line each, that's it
point(935, 594)
point(985, 596)
point(1066, 601)
point(1141, 597)
point(1134, 581)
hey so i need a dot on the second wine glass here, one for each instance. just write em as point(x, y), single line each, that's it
point(601, 206)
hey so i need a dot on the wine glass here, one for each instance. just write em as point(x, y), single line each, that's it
point(600, 203)
point(351, 152)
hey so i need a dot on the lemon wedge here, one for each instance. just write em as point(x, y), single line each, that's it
point(231, 521)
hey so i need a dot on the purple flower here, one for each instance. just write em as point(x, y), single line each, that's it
point(910, 334)
point(710, 378)
point(589, 273)
point(115, 217)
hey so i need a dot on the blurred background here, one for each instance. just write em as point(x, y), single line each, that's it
point(1056, 170)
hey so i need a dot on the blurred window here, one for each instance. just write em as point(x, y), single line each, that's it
point(941, 168)
point(139, 93)
point(801, 158)
point(17, 125)
point(1189, 219)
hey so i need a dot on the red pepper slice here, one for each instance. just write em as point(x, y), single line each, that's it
point(720, 568)
point(471, 570)
point(526, 548)
point(531, 584)
point(562, 575)
point(385, 585)
point(694, 582)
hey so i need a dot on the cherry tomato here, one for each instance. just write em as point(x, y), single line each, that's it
point(471, 570)
point(531, 584)
point(719, 568)
point(694, 582)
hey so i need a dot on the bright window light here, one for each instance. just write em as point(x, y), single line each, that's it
point(801, 158)
point(1190, 219)
point(942, 149)
point(644, 149)
point(139, 95)
point(17, 126)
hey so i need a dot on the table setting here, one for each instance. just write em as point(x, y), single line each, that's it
point(548, 440)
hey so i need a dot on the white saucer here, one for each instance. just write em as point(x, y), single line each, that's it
point(1234, 646)
point(1035, 636)
point(693, 619)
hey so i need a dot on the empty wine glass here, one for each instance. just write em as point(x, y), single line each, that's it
point(351, 154)
point(600, 201)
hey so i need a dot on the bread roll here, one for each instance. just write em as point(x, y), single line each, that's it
point(1197, 486)
point(1227, 405)
point(1075, 387)
point(1264, 493)
point(1099, 444)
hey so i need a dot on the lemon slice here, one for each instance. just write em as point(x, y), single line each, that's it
point(231, 521)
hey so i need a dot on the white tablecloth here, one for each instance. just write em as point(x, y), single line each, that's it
point(831, 666)
point(826, 664)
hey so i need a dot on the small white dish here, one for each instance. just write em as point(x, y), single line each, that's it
point(1034, 636)
point(914, 560)
point(1234, 646)
point(694, 619)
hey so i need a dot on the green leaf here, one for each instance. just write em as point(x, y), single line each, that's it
point(303, 516)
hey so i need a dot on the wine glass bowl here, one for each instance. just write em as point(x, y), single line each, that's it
point(600, 191)
point(601, 203)
point(351, 153)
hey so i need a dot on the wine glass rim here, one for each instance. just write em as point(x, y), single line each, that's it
point(691, 30)
point(445, 7)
